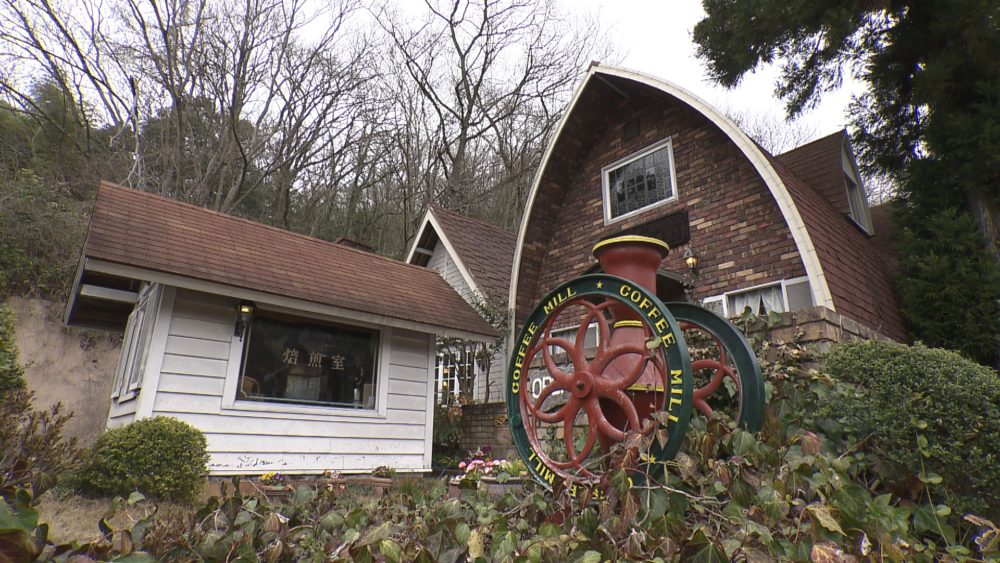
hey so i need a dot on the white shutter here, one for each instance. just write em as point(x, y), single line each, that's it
point(799, 294)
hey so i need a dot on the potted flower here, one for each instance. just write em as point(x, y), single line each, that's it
point(381, 478)
point(273, 484)
point(481, 470)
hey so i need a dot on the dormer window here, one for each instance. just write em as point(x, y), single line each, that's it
point(856, 197)
point(639, 181)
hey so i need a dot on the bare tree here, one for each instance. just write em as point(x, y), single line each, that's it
point(483, 65)
point(220, 100)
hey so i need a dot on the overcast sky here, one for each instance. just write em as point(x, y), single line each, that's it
point(654, 37)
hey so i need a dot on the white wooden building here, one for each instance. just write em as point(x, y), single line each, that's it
point(475, 258)
point(291, 354)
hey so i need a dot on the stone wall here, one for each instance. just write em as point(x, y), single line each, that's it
point(71, 366)
point(819, 327)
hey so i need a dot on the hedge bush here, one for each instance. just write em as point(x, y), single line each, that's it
point(928, 411)
point(11, 372)
point(160, 457)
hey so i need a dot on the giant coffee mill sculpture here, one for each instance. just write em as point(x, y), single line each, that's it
point(601, 357)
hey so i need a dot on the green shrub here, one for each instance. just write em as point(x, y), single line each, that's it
point(11, 372)
point(927, 411)
point(33, 452)
point(160, 457)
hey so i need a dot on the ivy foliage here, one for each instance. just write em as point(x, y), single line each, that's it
point(806, 488)
point(929, 415)
point(161, 457)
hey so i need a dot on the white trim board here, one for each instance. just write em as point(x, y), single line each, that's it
point(215, 288)
point(430, 219)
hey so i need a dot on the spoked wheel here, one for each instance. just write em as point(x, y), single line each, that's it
point(599, 359)
point(720, 353)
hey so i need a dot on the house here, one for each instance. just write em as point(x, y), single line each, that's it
point(291, 354)
point(635, 154)
point(475, 258)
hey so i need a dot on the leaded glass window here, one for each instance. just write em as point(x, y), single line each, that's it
point(640, 181)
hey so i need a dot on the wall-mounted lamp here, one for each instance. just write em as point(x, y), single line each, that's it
point(243, 312)
point(691, 260)
point(691, 277)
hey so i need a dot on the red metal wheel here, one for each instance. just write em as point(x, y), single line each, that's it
point(589, 395)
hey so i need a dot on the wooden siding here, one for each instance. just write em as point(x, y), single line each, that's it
point(122, 413)
point(498, 373)
point(196, 365)
point(442, 263)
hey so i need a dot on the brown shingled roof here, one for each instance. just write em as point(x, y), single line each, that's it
point(819, 164)
point(486, 250)
point(858, 278)
point(155, 233)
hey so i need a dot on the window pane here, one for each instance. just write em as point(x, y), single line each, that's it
point(300, 361)
point(641, 182)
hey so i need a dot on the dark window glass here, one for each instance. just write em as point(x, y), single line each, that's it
point(292, 360)
point(642, 182)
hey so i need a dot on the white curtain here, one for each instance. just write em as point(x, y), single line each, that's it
point(761, 301)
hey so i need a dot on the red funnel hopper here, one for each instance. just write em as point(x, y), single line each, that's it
point(635, 258)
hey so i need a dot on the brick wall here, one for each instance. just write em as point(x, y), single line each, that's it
point(737, 229)
point(486, 425)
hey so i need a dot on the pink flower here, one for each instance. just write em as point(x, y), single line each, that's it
point(461, 465)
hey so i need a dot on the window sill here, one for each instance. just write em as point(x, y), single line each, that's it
point(286, 408)
point(125, 398)
point(866, 231)
point(641, 210)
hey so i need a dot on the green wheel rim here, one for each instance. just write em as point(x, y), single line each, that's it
point(753, 402)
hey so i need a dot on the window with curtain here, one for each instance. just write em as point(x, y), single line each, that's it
point(760, 301)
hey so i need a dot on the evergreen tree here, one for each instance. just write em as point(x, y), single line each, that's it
point(930, 116)
point(959, 314)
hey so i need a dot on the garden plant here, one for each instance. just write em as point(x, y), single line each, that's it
point(811, 486)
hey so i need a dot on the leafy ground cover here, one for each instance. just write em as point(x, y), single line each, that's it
point(803, 489)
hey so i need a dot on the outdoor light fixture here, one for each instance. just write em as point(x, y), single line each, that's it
point(243, 312)
point(692, 274)
point(691, 260)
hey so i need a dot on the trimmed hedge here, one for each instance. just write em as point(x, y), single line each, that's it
point(927, 411)
point(160, 457)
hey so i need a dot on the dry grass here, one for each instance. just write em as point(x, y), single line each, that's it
point(75, 518)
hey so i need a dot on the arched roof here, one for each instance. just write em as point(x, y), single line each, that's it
point(755, 155)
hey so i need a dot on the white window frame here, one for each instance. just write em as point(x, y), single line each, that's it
point(858, 203)
point(569, 333)
point(234, 371)
point(724, 297)
point(135, 344)
point(857, 196)
point(606, 184)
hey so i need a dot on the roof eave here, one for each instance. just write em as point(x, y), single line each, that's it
point(484, 333)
